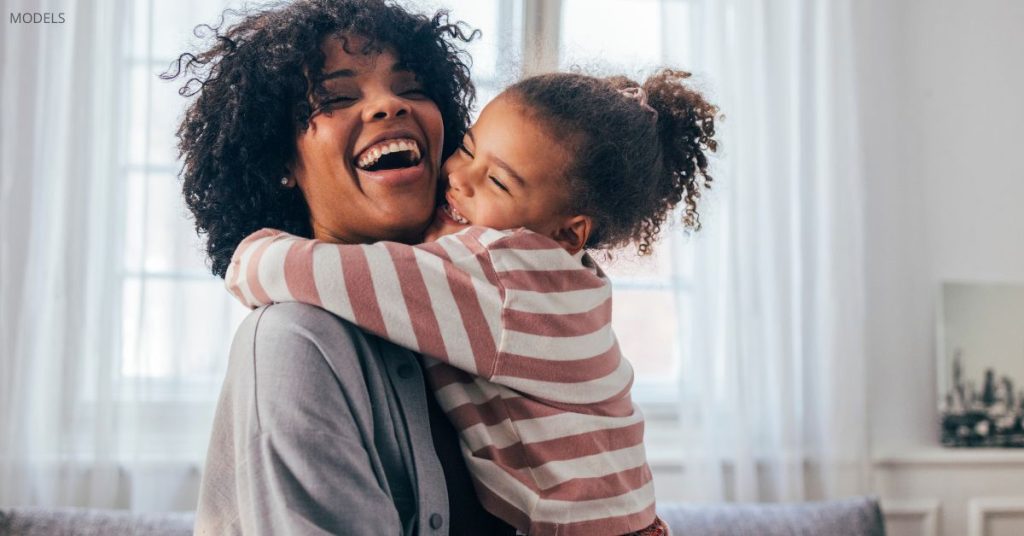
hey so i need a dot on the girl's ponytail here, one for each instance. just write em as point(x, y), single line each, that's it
point(686, 128)
point(638, 150)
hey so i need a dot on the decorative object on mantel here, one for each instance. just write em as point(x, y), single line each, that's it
point(981, 365)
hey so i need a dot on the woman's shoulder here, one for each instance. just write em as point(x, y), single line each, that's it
point(300, 335)
point(289, 355)
point(292, 319)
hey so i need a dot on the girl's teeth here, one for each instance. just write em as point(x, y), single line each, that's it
point(456, 215)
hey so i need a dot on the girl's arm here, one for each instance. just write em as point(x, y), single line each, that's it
point(441, 298)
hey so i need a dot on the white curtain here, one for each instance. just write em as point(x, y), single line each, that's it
point(773, 394)
point(63, 417)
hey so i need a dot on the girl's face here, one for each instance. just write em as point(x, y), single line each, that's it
point(367, 164)
point(508, 173)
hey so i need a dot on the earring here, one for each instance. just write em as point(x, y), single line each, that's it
point(285, 181)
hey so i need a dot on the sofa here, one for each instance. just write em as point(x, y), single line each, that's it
point(849, 517)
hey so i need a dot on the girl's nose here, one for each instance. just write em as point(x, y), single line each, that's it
point(459, 181)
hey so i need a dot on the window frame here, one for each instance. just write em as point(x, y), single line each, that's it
point(542, 44)
point(538, 24)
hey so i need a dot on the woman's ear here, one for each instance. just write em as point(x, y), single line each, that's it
point(573, 233)
point(295, 171)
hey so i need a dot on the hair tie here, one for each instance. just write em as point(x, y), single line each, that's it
point(640, 96)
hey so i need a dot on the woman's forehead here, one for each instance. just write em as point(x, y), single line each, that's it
point(355, 52)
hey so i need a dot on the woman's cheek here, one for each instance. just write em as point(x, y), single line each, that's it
point(433, 125)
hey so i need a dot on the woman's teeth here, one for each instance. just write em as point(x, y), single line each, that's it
point(454, 214)
point(371, 155)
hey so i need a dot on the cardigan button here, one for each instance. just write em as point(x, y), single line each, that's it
point(436, 521)
point(406, 371)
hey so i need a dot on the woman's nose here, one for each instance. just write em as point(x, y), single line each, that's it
point(385, 106)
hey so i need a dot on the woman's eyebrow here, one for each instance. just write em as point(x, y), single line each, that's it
point(397, 67)
point(400, 67)
point(343, 73)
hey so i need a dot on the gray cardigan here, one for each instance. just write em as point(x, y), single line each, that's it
point(320, 429)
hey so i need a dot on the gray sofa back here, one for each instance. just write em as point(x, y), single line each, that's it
point(89, 522)
point(851, 517)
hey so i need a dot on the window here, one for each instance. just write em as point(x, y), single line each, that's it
point(497, 51)
point(175, 313)
point(177, 320)
point(176, 316)
point(653, 296)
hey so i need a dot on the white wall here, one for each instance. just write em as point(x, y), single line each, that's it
point(943, 117)
point(942, 111)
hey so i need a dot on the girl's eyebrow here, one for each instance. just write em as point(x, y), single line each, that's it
point(501, 163)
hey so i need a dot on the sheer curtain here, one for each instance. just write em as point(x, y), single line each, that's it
point(60, 88)
point(108, 372)
point(113, 333)
point(68, 417)
point(772, 400)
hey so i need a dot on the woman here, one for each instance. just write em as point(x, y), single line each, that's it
point(322, 428)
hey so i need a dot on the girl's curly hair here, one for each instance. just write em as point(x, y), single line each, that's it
point(633, 161)
point(257, 89)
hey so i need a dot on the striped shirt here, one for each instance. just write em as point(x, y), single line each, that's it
point(520, 354)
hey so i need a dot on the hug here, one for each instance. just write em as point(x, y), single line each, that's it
point(430, 349)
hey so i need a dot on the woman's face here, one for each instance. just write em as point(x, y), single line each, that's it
point(367, 165)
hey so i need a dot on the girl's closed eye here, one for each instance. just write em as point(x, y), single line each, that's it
point(499, 184)
point(464, 149)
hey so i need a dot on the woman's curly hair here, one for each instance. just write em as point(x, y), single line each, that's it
point(636, 155)
point(257, 89)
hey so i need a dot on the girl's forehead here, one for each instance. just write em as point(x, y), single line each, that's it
point(518, 123)
point(508, 131)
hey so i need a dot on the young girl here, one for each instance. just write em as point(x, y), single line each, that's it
point(513, 315)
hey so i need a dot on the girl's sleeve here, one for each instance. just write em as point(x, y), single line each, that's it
point(441, 299)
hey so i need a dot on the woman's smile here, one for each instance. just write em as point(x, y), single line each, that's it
point(393, 157)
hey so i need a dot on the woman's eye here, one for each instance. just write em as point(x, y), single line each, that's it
point(338, 101)
point(463, 148)
point(499, 184)
point(414, 93)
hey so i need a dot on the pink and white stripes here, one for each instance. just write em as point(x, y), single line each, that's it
point(521, 356)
